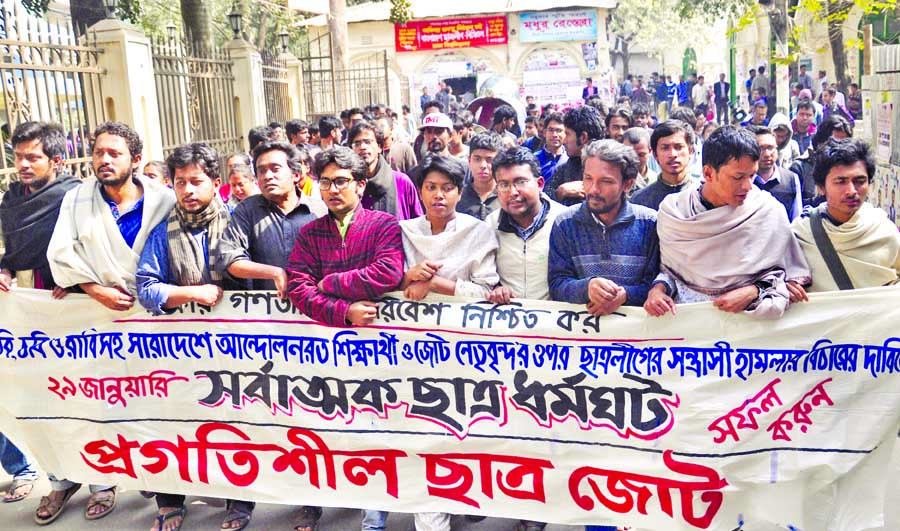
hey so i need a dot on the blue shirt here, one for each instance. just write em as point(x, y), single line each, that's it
point(129, 222)
point(154, 283)
point(548, 162)
point(626, 252)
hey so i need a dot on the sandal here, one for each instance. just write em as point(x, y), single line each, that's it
point(238, 511)
point(161, 519)
point(54, 509)
point(308, 519)
point(19, 490)
point(105, 499)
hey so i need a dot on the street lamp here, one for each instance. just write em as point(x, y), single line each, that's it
point(284, 37)
point(110, 6)
point(170, 29)
point(234, 18)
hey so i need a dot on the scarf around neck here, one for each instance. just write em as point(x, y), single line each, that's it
point(381, 189)
point(187, 260)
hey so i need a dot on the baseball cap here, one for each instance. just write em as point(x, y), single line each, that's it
point(437, 119)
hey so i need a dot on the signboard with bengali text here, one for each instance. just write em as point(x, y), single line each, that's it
point(554, 26)
point(447, 34)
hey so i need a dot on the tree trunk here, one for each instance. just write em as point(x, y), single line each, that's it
point(263, 31)
point(197, 24)
point(337, 25)
point(837, 17)
point(626, 58)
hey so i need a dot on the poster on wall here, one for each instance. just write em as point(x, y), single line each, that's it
point(883, 129)
point(554, 26)
point(589, 51)
point(445, 34)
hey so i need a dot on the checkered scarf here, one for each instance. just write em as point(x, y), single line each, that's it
point(186, 259)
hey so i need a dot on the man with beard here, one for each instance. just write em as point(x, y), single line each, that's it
point(102, 227)
point(604, 253)
point(28, 214)
point(386, 190)
point(727, 241)
point(583, 126)
point(672, 144)
point(864, 244)
point(177, 266)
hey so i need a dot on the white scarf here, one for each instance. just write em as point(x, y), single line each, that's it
point(467, 251)
point(716, 251)
point(868, 245)
point(87, 247)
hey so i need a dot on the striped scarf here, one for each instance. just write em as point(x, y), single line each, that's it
point(187, 262)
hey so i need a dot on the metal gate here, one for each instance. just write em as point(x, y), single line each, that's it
point(195, 93)
point(48, 76)
point(275, 87)
point(328, 90)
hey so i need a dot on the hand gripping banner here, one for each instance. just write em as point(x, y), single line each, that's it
point(536, 410)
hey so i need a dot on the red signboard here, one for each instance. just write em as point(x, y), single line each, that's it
point(419, 35)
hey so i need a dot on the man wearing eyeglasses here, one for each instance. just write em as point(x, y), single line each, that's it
point(604, 253)
point(523, 226)
point(386, 190)
point(260, 236)
point(345, 260)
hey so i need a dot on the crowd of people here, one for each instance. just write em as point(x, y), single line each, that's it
point(597, 207)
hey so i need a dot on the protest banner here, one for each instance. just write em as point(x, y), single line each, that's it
point(704, 420)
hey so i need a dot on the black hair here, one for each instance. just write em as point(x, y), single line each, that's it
point(614, 153)
point(729, 143)
point(842, 152)
point(275, 125)
point(516, 156)
point(313, 129)
point(433, 103)
point(293, 156)
point(827, 128)
point(806, 105)
point(345, 159)
point(532, 120)
point(195, 153)
point(553, 116)
point(304, 156)
point(685, 115)
point(486, 141)
point(292, 127)
point(327, 124)
point(132, 139)
point(258, 135)
point(619, 112)
point(761, 70)
point(467, 117)
point(161, 166)
point(355, 110)
point(636, 135)
point(366, 125)
point(452, 167)
point(51, 135)
point(459, 124)
point(759, 130)
point(503, 112)
point(640, 109)
point(584, 119)
point(669, 128)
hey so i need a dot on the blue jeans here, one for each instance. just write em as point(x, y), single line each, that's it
point(373, 520)
point(14, 461)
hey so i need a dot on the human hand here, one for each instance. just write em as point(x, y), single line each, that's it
point(798, 294)
point(601, 290)
point(417, 290)
point(362, 313)
point(207, 294)
point(114, 298)
point(737, 300)
point(501, 295)
point(607, 307)
point(658, 302)
point(422, 271)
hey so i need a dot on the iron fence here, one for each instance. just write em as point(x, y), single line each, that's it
point(47, 75)
point(275, 87)
point(195, 94)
